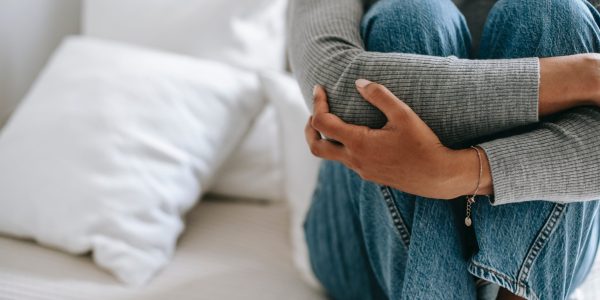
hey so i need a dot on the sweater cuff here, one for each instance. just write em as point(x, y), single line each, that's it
point(507, 171)
point(538, 165)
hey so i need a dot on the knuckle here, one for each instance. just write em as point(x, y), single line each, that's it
point(318, 121)
point(399, 114)
point(376, 91)
point(309, 121)
point(357, 143)
point(315, 150)
point(308, 127)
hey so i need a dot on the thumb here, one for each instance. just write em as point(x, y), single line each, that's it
point(320, 105)
point(379, 96)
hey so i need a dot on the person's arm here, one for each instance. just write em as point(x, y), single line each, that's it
point(557, 161)
point(459, 99)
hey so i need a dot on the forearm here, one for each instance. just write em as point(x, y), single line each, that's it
point(459, 99)
point(567, 82)
point(558, 161)
point(462, 173)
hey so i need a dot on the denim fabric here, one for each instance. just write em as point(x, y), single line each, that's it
point(372, 242)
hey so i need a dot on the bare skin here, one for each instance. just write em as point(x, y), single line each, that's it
point(407, 155)
point(568, 81)
point(504, 294)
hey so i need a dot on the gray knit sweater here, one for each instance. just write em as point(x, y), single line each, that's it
point(555, 159)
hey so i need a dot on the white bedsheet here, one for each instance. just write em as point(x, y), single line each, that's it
point(230, 250)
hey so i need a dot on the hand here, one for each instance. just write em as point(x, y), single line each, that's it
point(405, 154)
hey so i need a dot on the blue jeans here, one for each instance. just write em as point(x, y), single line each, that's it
point(368, 241)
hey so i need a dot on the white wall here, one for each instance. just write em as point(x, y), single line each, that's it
point(29, 32)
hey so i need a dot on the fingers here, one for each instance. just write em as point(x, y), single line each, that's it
point(329, 124)
point(333, 127)
point(383, 99)
point(320, 100)
point(322, 148)
point(310, 133)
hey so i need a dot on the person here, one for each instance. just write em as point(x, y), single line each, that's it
point(451, 173)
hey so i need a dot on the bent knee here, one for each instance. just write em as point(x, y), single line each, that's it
point(410, 21)
point(520, 28)
point(553, 14)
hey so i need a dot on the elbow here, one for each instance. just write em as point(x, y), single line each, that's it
point(337, 74)
point(321, 65)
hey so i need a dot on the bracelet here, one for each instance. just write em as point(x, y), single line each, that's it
point(471, 199)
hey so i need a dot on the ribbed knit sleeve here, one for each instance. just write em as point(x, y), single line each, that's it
point(459, 99)
point(558, 161)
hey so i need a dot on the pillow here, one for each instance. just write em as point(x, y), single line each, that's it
point(245, 33)
point(113, 145)
point(254, 171)
point(301, 168)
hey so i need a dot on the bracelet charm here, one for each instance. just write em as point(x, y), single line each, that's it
point(471, 199)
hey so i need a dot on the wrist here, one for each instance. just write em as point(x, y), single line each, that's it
point(568, 81)
point(462, 173)
point(589, 75)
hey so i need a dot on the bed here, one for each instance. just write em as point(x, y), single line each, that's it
point(230, 250)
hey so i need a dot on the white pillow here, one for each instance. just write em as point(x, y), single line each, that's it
point(301, 167)
point(255, 169)
point(245, 33)
point(113, 145)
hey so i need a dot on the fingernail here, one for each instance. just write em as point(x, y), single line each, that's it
point(315, 90)
point(362, 83)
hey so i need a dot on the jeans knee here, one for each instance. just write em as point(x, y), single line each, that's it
point(396, 25)
point(519, 28)
point(544, 14)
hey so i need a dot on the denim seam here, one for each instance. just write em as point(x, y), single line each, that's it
point(521, 285)
point(522, 289)
point(396, 217)
point(541, 240)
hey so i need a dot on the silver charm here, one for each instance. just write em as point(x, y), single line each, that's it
point(468, 222)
